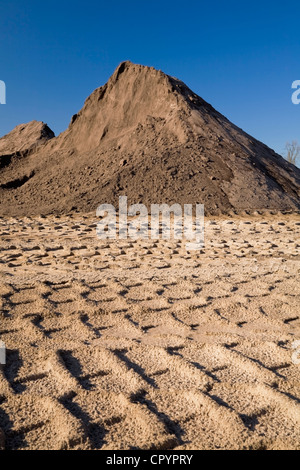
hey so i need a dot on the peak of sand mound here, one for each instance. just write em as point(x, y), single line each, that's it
point(25, 137)
point(146, 135)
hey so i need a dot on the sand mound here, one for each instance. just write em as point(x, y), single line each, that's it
point(25, 137)
point(148, 136)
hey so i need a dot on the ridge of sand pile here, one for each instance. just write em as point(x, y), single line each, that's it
point(148, 136)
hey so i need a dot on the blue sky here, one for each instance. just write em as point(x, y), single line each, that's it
point(241, 57)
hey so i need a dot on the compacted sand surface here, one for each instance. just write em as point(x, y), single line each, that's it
point(143, 345)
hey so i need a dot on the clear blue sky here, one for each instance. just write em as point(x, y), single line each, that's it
point(240, 56)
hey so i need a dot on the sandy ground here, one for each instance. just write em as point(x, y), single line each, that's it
point(141, 345)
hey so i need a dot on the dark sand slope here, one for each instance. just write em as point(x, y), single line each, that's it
point(146, 135)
